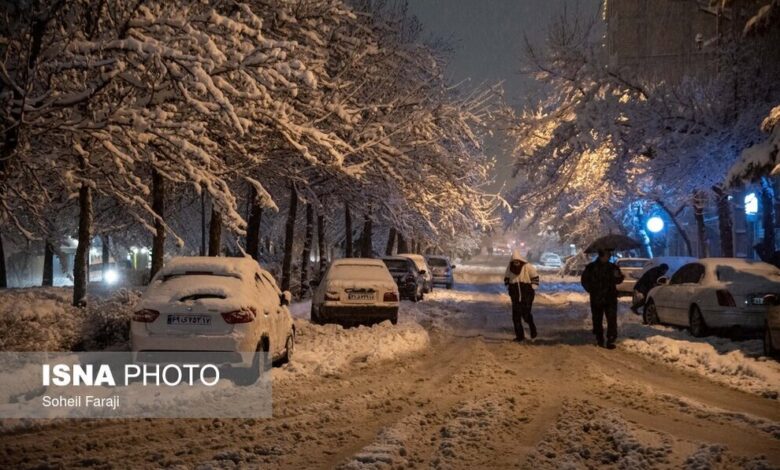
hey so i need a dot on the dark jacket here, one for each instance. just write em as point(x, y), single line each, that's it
point(649, 280)
point(600, 280)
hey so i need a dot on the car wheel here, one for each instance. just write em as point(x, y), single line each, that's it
point(416, 296)
point(650, 314)
point(696, 321)
point(314, 317)
point(422, 295)
point(394, 319)
point(289, 349)
point(769, 348)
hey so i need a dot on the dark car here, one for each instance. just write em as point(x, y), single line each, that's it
point(411, 283)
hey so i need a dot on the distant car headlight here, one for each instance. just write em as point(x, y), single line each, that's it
point(111, 276)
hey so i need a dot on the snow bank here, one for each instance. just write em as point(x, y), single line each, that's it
point(42, 319)
point(327, 349)
point(737, 364)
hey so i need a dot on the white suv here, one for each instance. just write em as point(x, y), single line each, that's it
point(229, 306)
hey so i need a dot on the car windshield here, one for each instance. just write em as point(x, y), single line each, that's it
point(396, 264)
point(363, 272)
point(438, 262)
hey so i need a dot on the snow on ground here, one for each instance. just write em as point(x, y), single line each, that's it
point(737, 364)
point(42, 319)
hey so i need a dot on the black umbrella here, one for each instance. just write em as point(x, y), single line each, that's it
point(614, 242)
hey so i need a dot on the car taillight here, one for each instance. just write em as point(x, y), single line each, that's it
point(331, 296)
point(390, 297)
point(725, 298)
point(245, 315)
point(146, 315)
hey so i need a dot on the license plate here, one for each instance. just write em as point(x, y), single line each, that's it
point(360, 296)
point(758, 301)
point(193, 320)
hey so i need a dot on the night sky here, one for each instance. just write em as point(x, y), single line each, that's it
point(487, 37)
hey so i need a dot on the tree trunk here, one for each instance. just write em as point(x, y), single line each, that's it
point(725, 224)
point(203, 222)
point(289, 238)
point(321, 243)
point(402, 245)
point(347, 232)
point(699, 204)
point(215, 232)
point(104, 258)
point(767, 249)
point(3, 277)
point(253, 225)
point(48, 264)
point(158, 206)
point(390, 242)
point(306, 253)
point(367, 245)
point(677, 225)
point(81, 261)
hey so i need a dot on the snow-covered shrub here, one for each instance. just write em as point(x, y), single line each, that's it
point(107, 322)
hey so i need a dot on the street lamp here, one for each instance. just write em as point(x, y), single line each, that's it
point(751, 204)
point(655, 224)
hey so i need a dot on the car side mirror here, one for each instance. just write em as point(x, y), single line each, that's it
point(285, 298)
point(423, 272)
point(662, 281)
point(452, 267)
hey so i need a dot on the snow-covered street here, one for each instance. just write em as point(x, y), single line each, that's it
point(446, 388)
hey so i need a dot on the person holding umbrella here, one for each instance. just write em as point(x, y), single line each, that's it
point(600, 280)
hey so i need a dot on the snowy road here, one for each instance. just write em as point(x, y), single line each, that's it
point(455, 392)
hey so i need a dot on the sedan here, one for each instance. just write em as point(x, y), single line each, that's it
point(410, 282)
point(714, 293)
point(355, 291)
point(550, 260)
point(632, 269)
point(207, 304)
point(441, 269)
point(422, 266)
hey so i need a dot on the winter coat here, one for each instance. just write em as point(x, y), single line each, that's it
point(520, 271)
point(649, 280)
point(600, 280)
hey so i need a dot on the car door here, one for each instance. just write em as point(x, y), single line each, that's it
point(676, 297)
point(280, 317)
point(664, 298)
point(263, 319)
point(688, 289)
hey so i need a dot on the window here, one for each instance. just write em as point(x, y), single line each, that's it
point(689, 274)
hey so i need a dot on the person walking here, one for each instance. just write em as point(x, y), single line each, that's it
point(521, 280)
point(645, 283)
point(600, 280)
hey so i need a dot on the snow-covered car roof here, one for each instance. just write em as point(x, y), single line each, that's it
point(363, 269)
point(358, 261)
point(419, 260)
point(236, 267)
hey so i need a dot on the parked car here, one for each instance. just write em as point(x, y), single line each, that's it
point(355, 291)
point(410, 282)
point(441, 269)
point(550, 260)
point(210, 304)
point(714, 293)
point(674, 263)
point(772, 326)
point(632, 269)
point(422, 266)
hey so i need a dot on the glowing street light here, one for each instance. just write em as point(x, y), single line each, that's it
point(111, 276)
point(655, 224)
point(751, 204)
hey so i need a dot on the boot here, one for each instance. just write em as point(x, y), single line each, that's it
point(533, 330)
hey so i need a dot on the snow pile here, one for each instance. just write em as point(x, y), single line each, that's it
point(734, 363)
point(327, 349)
point(42, 319)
